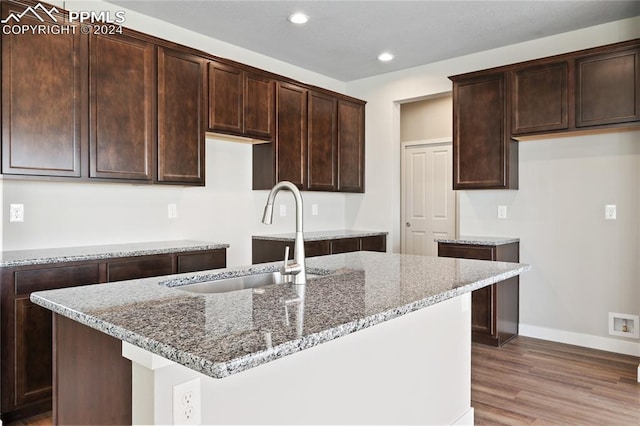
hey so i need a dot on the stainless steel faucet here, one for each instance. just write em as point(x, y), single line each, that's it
point(297, 269)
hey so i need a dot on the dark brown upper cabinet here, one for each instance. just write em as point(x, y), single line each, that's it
point(590, 90)
point(539, 98)
point(350, 146)
point(608, 88)
point(284, 158)
point(122, 107)
point(181, 117)
point(319, 142)
point(483, 154)
point(135, 108)
point(241, 103)
point(322, 145)
point(43, 85)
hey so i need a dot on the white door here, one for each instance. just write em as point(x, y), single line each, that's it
point(428, 201)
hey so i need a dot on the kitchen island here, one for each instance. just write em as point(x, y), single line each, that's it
point(377, 339)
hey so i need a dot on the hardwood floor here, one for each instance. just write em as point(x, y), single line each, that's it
point(531, 381)
point(536, 382)
point(45, 419)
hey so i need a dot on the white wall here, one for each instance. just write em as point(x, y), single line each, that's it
point(226, 210)
point(572, 292)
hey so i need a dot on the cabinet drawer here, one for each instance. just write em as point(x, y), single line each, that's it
point(316, 248)
point(202, 261)
point(139, 268)
point(27, 281)
point(345, 245)
point(466, 251)
point(377, 243)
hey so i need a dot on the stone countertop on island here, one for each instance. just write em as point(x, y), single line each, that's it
point(226, 333)
point(75, 254)
point(320, 235)
point(479, 241)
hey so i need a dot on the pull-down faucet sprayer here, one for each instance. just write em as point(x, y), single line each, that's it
point(297, 269)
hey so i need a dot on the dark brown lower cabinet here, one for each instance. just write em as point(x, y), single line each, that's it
point(494, 309)
point(272, 251)
point(25, 328)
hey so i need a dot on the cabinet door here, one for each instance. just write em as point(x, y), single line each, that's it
point(42, 97)
point(291, 139)
point(181, 83)
point(259, 105)
point(482, 155)
point(350, 146)
point(322, 143)
point(122, 94)
point(25, 331)
point(608, 88)
point(32, 352)
point(226, 98)
point(539, 99)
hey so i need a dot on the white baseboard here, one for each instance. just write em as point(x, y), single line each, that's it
point(467, 418)
point(579, 339)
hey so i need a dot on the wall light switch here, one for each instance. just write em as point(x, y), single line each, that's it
point(283, 210)
point(502, 212)
point(314, 210)
point(16, 213)
point(610, 212)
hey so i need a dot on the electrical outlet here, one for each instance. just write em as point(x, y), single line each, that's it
point(187, 403)
point(16, 213)
point(283, 210)
point(502, 212)
point(314, 210)
point(610, 212)
point(172, 211)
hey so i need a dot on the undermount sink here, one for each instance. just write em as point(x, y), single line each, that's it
point(244, 282)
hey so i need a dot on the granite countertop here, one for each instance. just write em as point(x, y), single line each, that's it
point(226, 333)
point(479, 241)
point(74, 254)
point(320, 235)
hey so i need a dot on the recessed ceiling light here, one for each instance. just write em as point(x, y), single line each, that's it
point(385, 57)
point(298, 18)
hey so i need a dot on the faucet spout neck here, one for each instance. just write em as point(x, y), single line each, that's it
point(300, 276)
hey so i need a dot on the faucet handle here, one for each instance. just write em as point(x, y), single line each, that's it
point(286, 255)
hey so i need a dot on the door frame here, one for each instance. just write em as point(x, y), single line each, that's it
point(403, 187)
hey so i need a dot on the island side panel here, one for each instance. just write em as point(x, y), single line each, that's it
point(92, 382)
point(415, 369)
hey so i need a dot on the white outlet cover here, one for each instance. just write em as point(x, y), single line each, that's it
point(314, 209)
point(172, 211)
point(16, 213)
point(502, 212)
point(610, 212)
point(187, 403)
point(283, 210)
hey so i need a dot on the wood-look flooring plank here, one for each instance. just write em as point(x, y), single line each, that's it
point(531, 381)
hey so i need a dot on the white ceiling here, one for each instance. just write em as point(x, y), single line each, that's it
point(343, 38)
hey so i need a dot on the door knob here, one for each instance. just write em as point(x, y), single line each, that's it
point(408, 225)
